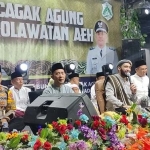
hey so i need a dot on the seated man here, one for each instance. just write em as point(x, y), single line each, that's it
point(75, 88)
point(120, 93)
point(141, 80)
point(99, 76)
point(59, 76)
point(74, 82)
point(17, 99)
point(99, 90)
point(4, 116)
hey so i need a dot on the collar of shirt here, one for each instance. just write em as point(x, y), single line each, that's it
point(57, 88)
point(103, 50)
point(139, 76)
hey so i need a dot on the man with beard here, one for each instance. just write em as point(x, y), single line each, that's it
point(59, 76)
point(120, 93)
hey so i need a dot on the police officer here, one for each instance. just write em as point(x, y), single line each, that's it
point(101, 54)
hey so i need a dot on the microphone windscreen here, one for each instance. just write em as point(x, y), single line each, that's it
point(128, 74)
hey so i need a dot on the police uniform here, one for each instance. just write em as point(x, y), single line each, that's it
point(97, 57)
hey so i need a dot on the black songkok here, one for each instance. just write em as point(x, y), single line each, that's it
point(73, 75)
point(99, 74)
point(57, 66)
point(15, 75)
point(139, 63)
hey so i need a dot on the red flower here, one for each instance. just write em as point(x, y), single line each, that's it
point(95, 124)
point(62, 129)
point(37, 145)
point(124, 119)
point(66, 137)
point(103, 123)
point(69, 126)
point(139, 116)
point(47, 146)
point(25, 137)
point(95, 118)
point(78, 122)
point(102, 133)
point(142, 120)
point(55, 124)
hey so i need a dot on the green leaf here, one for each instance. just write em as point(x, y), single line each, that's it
point(14, 142)
point(134, 120)
point(55, 148)
point(44, 133)
point(129, 25)
point(133, 106)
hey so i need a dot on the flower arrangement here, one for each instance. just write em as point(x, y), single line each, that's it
point(109, 131)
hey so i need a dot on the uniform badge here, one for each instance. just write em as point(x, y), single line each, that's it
point(100, 24)
point(107, 11)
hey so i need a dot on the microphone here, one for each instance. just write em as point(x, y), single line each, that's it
point(128, 75)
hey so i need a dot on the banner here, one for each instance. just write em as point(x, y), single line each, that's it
point(40, 33)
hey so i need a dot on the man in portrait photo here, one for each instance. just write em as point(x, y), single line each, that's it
point(101, 54)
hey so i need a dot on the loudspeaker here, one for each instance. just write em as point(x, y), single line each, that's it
point(48, 108)
point(130, 47)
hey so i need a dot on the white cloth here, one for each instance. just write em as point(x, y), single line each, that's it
point(93, 97)
point(141, 84)
point(93, 94)
point(73, 85)
point(21, 97)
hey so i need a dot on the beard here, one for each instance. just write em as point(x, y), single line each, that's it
point(123, 73)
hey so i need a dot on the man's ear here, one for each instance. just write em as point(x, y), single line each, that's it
point(11, 82)
point(52, 76)
point(119, 68)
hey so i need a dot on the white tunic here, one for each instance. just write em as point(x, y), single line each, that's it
point(141, 84)
point(21, 97)
point(73, 85)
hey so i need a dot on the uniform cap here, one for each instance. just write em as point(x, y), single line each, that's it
point(101, 26)
point(57, 66)
point(15, 75)
point(73, 75)
point(139, 63)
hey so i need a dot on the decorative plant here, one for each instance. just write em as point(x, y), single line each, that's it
point(130, 27)
point(109, 131)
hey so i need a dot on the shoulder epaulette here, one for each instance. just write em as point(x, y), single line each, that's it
point(91, 48)
point(111, 48)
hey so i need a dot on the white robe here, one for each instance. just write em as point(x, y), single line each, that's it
point(142, 84)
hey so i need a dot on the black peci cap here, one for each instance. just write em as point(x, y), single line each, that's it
point(57, 66)
point(139, 63)
point(99, 74)
point(15, 75)
point(101, 26)
point(73, 75)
